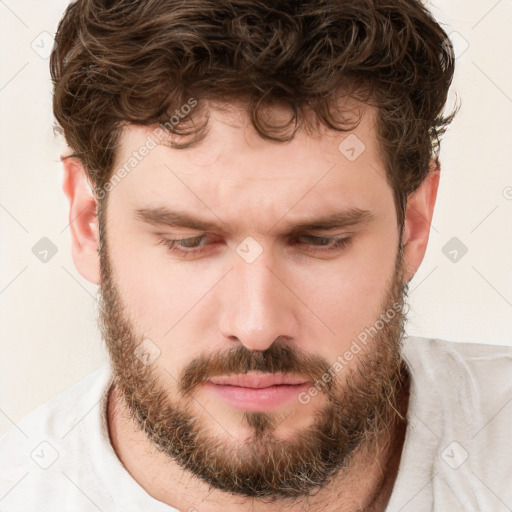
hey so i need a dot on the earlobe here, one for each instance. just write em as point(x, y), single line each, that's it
point(418, 219)
point(83, 219)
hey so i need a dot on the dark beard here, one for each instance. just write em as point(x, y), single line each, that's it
point(357, 411)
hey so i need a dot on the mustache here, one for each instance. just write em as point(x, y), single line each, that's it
point(240, 360)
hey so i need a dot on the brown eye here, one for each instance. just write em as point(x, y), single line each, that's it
point(185, 246)
point(324, 244)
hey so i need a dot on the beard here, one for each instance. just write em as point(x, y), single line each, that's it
point(359, 405)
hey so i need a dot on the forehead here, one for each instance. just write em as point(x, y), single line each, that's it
point(233, 168)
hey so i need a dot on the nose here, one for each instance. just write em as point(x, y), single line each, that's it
point(258, 305)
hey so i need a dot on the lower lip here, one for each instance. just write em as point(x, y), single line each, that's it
point(257, 399)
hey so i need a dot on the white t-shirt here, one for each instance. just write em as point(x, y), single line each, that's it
point(457, 454)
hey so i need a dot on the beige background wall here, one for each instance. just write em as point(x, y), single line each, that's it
point(48, 337)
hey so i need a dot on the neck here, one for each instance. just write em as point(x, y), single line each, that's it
point(366, 485)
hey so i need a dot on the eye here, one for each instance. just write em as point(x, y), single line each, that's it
point(185, 246)
point(196, 245)
point(322, 244)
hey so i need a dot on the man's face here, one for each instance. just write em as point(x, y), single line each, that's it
point(248, 295)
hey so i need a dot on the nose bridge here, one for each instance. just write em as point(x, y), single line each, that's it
point(257, 307)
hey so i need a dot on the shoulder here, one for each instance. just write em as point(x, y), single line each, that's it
point(477, 375)
point(60, 412)
point(469, 349)
point(458, 434)
point(433, 356)
point(41, 449)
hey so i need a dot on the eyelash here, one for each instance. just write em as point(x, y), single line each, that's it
point(172, 245)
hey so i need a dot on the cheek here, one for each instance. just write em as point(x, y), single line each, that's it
point(174, 298)
point(347, 295)
point(161, 293)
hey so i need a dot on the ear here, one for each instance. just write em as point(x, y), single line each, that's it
point(83, 220)
point(418, 217)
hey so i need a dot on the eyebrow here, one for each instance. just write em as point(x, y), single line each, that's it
point(160, 216)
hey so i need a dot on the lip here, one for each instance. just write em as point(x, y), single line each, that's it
point(253, 392)
point(257, 380)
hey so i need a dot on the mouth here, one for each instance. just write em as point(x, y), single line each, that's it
point(257, 392)
point(258, 380)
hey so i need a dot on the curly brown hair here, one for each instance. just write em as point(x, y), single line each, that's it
point(125, 61)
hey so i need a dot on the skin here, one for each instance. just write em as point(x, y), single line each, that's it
point(317, 302)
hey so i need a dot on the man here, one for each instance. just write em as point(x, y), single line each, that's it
point(251, 184)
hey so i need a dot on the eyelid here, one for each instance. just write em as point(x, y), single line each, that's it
point(336, 244)
point(182, 238)
point(327, 235)
point(312, 234)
